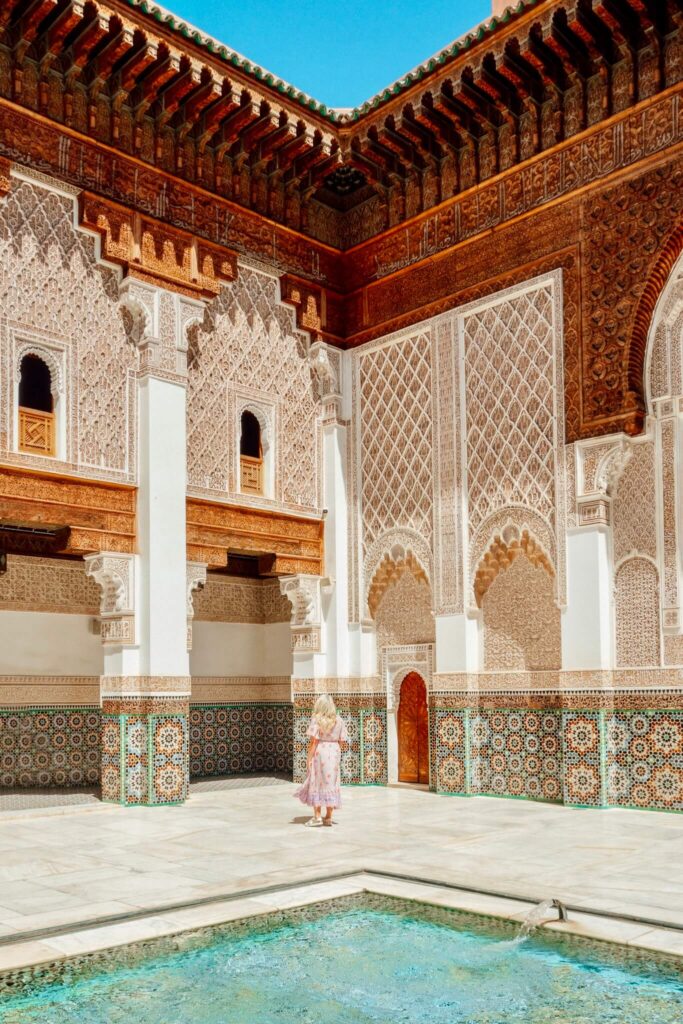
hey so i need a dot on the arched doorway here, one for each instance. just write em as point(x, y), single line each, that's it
point(413, 731)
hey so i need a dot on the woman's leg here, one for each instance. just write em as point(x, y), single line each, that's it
point(316, 811)
point(328, 814)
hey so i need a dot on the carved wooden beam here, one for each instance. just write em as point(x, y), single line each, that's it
point(57, 27)
point(171, 94)
point(102, 58)
point(25, 21)
point(133, 64)
point(8, 12)
point(546, 60)
point(441, 126)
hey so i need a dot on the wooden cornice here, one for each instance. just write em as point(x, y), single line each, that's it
point(141, 81)
point(101, 516)
point(216, 530)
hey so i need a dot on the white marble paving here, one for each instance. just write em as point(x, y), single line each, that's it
point(72, 868)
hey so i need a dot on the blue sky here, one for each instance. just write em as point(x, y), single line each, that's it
point(340, 52)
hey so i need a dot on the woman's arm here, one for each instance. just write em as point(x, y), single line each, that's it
point(312, 744)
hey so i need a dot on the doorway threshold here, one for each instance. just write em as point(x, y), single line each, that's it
point(410, 785)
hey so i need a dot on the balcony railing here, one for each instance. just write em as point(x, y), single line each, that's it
point(251, 475)
point(36, 432)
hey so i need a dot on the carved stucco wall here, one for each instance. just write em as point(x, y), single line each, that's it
point(513, 419)
point(489, 374)
point(521, 621)
point(637, 614)
point(404, 615)
point(48, 585)
point(633, 508)
point(54, 294)
point(391, 462)
point(248, 347)
point(226, 599)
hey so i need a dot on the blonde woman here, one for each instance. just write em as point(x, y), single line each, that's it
point(328, 736)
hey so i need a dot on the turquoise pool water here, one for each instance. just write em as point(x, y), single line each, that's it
point(358, 966)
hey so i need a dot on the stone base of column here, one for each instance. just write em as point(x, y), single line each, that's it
point(145, 750)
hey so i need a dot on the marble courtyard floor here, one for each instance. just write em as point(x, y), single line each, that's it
point(61, 868)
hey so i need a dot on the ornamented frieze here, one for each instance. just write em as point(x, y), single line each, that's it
point(214, 529)
point(155, 251)
point(250, 689)
point(144, 688)
point(101, 516)
point(669, 679)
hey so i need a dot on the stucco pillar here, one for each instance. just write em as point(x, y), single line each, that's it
point(587, 619)
point(458, 643)
point(145, 687)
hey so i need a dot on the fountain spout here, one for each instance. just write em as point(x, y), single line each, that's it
point(561, 910)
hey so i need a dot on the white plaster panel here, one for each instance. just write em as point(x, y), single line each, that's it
point(47, 643)
point(240, 649)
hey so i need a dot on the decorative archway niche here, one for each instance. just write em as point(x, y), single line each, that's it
point(397, 664)
point(516, 601)
point(52, 357)
point(392, 555)
point(501, 553)
point(412, 726)
point(637, 357)
point(264, 415)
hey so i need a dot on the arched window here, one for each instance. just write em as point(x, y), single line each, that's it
point(36, 407)
point(251, 455)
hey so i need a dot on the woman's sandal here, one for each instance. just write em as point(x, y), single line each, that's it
point(327, 821)
point(314, 822)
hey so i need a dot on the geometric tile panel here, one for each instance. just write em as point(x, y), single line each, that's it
point(110, 780)
point(645, 759)
point(144, 758)
point(449, 753)
point(517, 753)
point(136, 759)
point(169, 776)
point(351, 761)
point(583, 754)
point(374, 735)
point(582, 758)
point(50, 747)
point(237, 738)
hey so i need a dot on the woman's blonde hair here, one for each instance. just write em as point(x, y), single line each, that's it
point(325, 713)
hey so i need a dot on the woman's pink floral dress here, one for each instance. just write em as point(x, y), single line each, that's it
point(322, 785)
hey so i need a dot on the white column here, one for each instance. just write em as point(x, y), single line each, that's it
point(161, 528)
point(161, 319)
point(458, 643)
point(587, 619)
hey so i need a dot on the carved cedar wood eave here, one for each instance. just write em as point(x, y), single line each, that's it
point(312, 112)
point(31, 139)
point(101, 516)
point(152, 88)
point(215, 530)
point(353, 297)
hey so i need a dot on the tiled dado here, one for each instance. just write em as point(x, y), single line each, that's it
point(145, 750)
point(49, 746)
point(587, 757)
point(364, 761)
point(248, 736)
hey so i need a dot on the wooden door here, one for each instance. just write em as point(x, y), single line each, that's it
point(413, 731)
